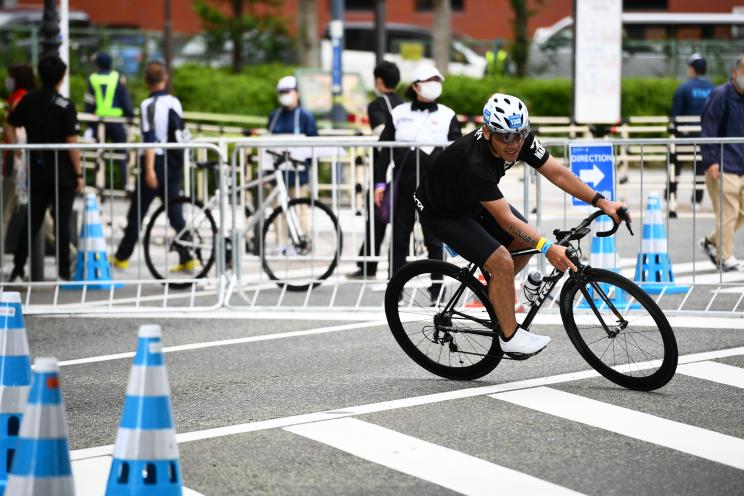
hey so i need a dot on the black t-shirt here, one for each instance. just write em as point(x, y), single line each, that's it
point(378, 110)
point(48, 117)
point(466, 173)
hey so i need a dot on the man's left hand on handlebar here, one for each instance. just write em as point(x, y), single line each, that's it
point(611, 208)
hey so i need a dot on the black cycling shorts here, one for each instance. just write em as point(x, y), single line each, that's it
point(475, 238)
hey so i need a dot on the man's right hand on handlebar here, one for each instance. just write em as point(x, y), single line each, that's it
point(612, 209)
point(559, 259)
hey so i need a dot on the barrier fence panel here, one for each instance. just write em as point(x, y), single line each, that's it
point(304, 257)
point(108, 249)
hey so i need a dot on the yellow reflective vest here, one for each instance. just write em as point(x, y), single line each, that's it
point(104, 89)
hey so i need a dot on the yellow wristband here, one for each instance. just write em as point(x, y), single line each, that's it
point(541, 243)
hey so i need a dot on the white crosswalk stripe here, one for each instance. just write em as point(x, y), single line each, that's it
point(443, 466)
point(715, 372)
point(689, 439)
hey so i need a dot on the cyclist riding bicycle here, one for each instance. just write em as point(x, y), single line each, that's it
point(461, 203)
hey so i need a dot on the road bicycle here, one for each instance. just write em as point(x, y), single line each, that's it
point(440, 316)
point(299, 242)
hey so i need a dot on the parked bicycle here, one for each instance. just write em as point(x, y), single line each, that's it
point(440, 315)
point(299, 242)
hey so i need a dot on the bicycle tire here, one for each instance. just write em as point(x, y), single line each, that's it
point(206, 265)
point(622, 374)
point(326, 270)
point(397, 286)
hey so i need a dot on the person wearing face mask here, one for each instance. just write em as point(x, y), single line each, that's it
point(420, 120)
point(291, 118)
point(723, 117)
point(19, 82)
point(460, 201)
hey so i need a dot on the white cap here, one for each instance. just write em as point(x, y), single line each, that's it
point(46, 364)
point(426, 71)
point(149, 331)
point(287, 83)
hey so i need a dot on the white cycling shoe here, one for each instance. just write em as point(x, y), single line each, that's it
point(524, 342)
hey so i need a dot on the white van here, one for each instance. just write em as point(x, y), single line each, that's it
point(654, 44)
point(408, 46)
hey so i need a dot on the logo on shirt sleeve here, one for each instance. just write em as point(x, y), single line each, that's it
point(537, 149)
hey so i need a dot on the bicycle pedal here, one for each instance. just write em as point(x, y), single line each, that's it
point(521, 356)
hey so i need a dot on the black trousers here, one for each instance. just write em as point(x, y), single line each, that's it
point(42, 196)
point(404, 217)
point(699, 189)
point(372, 237)
point(143, 197)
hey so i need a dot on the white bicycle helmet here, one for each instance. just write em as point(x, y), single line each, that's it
point(505, 114)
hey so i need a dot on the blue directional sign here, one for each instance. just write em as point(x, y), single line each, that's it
point(594, 164)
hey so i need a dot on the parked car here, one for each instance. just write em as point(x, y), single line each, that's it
point(408, 46)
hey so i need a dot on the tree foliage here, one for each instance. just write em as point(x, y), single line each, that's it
point(245, 23)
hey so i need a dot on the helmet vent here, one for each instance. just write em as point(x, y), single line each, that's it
point(500, 110)
point(507, 101)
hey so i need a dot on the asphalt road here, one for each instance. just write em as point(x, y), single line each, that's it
point(390, 427)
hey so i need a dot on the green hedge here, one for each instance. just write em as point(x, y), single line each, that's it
point(203, 89)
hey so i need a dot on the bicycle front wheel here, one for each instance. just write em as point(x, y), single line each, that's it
point(301, 244)
point(619, 330)
point(440, 316)
point(177, 255)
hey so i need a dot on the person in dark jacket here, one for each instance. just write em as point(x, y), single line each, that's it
point(723, 117)
point(689, 98)
point(55, 176)
point(107, 96)
point(387, 78)
point(420, 120)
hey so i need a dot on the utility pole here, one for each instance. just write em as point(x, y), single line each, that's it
point(380, 47)
point(338, 113)
point(168, 40)
point(442, 36)
point(50, 40)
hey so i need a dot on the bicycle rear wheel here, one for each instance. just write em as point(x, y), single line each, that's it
point(441, 317)
point(305, 261)
point(619, 330)
point(186, 254)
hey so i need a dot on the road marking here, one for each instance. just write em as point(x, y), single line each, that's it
point(696, 441)
point(228, 342)
point(91, 477)
point(428, 399)
point(715, 372)
point(445, 467)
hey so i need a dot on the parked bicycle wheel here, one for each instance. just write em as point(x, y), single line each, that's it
point(301, 246)
point(441, 317)
point(186, 254)
point(619, 330)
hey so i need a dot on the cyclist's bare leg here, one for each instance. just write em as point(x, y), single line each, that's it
point(501, 292)
point(519, 262)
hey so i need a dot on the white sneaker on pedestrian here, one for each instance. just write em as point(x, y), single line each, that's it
point(731, 263)
point(524, 342)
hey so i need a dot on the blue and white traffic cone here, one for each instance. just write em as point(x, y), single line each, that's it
point(15, 378)
point(92, 263)
point(146, 454)
point(41, 465)
point(654, 264)
point(604, 256)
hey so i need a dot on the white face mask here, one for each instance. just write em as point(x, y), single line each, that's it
point(430, 89)
point(287, 99)
point(740, 82)
point(9, 84)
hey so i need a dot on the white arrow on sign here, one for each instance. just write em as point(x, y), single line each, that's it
point(593, 175)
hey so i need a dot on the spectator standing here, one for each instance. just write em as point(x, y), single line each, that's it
point(107, 96)
point(19, 82)
point(420, 120)
point(723, 116)
point(291, 118)
point(160, 170)
point(387, 78)
point(54, 176)
point(689, 98)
